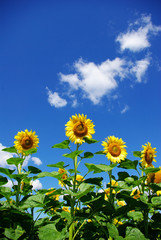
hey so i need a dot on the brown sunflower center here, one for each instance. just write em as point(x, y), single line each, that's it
point(80, 129)
point(27, 143)
point(114, 149)
point(149, 156)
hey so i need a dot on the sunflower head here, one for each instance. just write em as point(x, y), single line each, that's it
point(79, 178)
point(157, 177)
point(66, 209)
point(25, 141)
point(114, 148)
point(150, 178)
point(147, 155)
point(79, 127)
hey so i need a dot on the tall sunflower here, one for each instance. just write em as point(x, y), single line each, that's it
point(25, 140)
point(114, 148)
point(147, 155)
point(79, 127)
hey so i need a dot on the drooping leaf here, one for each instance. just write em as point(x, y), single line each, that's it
point(96, 181)
point(128, 164)
point(90, 140)
point(137, 154)
point(33, 201)
point(62, 145)
point(57, 165)
point(34, 170)
point(150, 170)
point(97, 168)
point(88, 155)
point(73, 154)
point(30, 151)
point(100, 153)
point(15, 161)
point(10, 150)
point(49, 174)
point(3, 180)
point(6, 171)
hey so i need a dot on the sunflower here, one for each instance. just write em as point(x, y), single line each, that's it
point(25, 140)
point(114, 149)
point(79, 178)
point(63, 177)
point(150, 178)
point(147, 155)
point(79, 127)
point(66, 209)
point(157, 177)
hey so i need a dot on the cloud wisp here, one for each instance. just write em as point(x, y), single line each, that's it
point(138, 34)
point(55, 100)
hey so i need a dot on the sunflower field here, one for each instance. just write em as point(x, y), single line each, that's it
point(128, 207)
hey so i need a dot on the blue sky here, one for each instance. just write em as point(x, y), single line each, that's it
point(99, 58)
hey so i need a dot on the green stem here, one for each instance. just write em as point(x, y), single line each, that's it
point(72, 227)
point(146, 223)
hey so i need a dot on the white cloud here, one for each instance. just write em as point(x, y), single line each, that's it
point(125, 109)
point(55, 100)
point(137, 40)
point(36, 160)
point(8, 184)
point(36, 184)
point(4, 156)
point(95, 80)
point(140, 68)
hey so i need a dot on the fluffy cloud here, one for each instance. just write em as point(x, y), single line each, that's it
point(36, 184)
point(36, 160)
point(94, 80)
point(140, 68)
point(55, 100)
point(136, 40)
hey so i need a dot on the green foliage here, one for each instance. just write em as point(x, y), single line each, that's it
point(81, 208)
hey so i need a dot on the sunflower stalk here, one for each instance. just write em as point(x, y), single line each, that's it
point(72, 227)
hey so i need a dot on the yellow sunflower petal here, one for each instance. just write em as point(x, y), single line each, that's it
point(79, 127)
point(114, 148)
point(147, 155)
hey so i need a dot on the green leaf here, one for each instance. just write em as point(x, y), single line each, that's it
point(136, 216)
point(113, 232)
point(96, 181)
point(88, 155)
point(90, 140)
point(15, 161)
point(6, 171)
point(49, 232)
point(13, 234)
point(100, 153)
point(10, 150)
point(133, 234)
point(33, 201)
point(49, 174)
point(34, 170)
point(30, 151)
point(98, 168)
point(3, 180)
point(62, 145)
point(128, 164)
point(57, 165)
point(72, 154)
point(156, 201)
point(122, 176)
point(150, 170)
point(137, 154)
